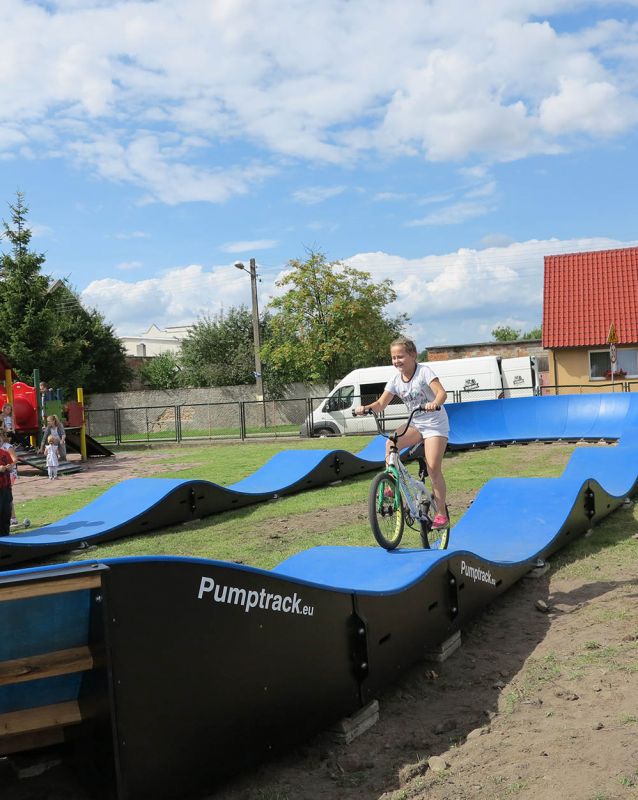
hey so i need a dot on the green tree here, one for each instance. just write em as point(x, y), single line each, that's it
point(162, 372)
point(219, 351)
point(331, 319)
point(45, 325)
point(503, 333)
point(28, 322)
point(85, 350)
point(535, 333)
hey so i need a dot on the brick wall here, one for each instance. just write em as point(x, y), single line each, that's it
point(519, 347)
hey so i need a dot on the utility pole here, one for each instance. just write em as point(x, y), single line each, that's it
point(255, 306)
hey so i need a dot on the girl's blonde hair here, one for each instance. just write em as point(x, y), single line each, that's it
point(56, 421)
point(402, 341)
point(52, 439)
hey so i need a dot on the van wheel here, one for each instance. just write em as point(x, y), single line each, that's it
point(323, 432)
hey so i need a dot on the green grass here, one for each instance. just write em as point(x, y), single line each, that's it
point(170, 434)
point(263, 535)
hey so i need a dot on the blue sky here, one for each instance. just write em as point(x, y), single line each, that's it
point(448, 146)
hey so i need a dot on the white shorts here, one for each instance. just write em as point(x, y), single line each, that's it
point(439, 426)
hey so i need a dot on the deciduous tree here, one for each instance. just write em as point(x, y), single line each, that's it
point(331, 319)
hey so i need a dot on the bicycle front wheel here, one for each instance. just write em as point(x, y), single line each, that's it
point(385, 510)
point(435, 538)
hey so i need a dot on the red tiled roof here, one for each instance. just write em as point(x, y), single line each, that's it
point(584, 293)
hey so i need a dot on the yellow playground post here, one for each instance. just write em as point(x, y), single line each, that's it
point(83, 428)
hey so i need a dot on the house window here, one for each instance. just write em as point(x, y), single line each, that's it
point(141, 349)
point(599, 363)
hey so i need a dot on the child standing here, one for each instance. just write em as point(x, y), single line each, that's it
point(56, 429)
point(418, 386)
point(6, 445)
point(7, 421)
point(53, 456)
point(7, 461)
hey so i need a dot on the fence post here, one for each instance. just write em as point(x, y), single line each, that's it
point(178, 423)
point(309, 416)
point(117, 424)
point(242, 420)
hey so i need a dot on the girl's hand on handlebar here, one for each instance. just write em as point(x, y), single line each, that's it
point(430, 407)
point(359, 411)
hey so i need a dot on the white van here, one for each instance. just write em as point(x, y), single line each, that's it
point(464, 379)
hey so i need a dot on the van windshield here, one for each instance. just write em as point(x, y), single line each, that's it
point(340, 400)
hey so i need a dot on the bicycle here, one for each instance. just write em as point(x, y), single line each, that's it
point(397, 499)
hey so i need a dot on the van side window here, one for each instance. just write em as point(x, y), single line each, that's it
point(340, 400)
point(372, 391)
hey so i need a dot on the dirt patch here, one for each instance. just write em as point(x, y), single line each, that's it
point(113, 469)
point(535, 704)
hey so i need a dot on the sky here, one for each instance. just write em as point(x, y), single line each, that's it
point(443, 144)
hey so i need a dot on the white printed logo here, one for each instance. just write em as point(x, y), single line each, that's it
point(251, 598)
point(477, 574)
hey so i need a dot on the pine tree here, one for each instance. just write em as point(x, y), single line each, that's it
point(27, 320)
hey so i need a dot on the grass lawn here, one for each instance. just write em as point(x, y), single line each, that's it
point(265, 534)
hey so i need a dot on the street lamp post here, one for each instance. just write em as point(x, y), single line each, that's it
point(253, 285)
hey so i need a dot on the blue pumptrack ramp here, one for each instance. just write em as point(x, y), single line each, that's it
point(139, 505)
point(194, 668)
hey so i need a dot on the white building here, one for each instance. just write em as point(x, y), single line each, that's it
point(156, 340)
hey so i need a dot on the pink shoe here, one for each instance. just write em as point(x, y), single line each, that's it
point(440, 522)
point(388, 492)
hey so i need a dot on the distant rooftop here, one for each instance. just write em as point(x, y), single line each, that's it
point(585, 293)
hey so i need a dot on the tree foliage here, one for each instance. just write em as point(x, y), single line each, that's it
point(47, 328)
point(504, 333)
point(330, 320)
point(28, 321)
point(219, 351)
point(162, 372)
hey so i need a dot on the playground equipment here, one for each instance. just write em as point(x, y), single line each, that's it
point(29, 407)
point(186, 670)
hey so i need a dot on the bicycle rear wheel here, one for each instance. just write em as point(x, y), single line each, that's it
point(385, 510)
point(434, 538)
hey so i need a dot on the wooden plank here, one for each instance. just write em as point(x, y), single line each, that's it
point(30, 741)
point(39, 719)
point(20, 591)
point(47, 665)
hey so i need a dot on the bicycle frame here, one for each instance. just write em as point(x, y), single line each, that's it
point(413, 492)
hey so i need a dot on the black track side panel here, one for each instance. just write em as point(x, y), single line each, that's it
point(201, 689)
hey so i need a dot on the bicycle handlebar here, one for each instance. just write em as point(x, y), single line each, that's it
point(395, 435)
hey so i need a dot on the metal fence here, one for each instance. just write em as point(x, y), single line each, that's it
point(228, 420)
point(247, 419)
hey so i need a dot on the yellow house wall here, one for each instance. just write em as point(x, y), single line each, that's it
point(571, 367)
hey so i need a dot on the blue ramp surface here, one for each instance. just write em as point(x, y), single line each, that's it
point(211, 664)
point(144, 504)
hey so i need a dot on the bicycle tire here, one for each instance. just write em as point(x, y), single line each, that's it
point(386, 511)
point(434, 538)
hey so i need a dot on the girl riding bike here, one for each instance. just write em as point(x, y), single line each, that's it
point(417, 385)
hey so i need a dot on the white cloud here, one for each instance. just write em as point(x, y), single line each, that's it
point(132, 235)
point(312, 195)
point(159, 94)
point(127, 266)
point(453, 298)
point(179, 296)
point(248, 246)
point(458, 297)
point(453, 214)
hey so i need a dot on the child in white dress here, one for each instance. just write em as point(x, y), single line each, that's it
point(52, 456)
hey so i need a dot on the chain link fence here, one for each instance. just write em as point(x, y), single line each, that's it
point(247, 419)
